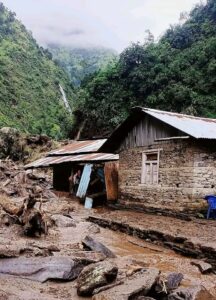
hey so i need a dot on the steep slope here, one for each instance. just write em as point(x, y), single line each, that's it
point(30, 98)
point(177, 73)
point(80, 62)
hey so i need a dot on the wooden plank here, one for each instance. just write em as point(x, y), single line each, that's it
point(111, 180)
point(84, 182)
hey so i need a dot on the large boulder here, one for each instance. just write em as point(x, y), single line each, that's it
point(95, 276)
point(42, 268)
point(137, 285)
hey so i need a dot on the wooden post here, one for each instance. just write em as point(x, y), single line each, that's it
point(111, 180)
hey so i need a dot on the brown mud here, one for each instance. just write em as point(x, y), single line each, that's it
point(131, 251)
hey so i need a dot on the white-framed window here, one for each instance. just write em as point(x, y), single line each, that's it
point(150, 167)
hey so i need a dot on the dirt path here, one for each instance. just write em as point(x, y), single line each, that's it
point(129, 250)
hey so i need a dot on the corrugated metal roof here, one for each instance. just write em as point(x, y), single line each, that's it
point(51, 161)
point(200, 128)
point(87, 146)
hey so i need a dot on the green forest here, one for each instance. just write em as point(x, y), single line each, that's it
point(176, 73)
point(81, 62)
point(30, 98)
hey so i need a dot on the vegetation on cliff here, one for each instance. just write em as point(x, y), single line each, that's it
point(30, 99)
point(176, 73)
point(81, 62)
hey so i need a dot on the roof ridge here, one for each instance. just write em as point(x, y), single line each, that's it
point(146, 109)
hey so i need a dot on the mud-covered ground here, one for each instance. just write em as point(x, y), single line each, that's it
point(130, 251)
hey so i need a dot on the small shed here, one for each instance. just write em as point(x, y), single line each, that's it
point(167, 161)
point(66, 160)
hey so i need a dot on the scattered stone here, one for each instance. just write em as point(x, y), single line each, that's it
point(203, 266)
point(94, 229)
point(168, 283)
point(191, 293)
point(93, 245)
point(133, 269)
point(43, 268)
point(63, 221)
point(106, 287)
point(137, 285)
point(8, 220)
point(92, 256)
point(36, 176)
point(7, 251)
point(95, 276)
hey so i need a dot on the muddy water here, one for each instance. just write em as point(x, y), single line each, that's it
point(130, 252)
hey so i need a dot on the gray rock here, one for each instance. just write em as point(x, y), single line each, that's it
point(63, 221)
point(172, 281)
point(94, 229)
point(191, 293)
point(137, 285)
point(43, 268)
point(93, 245)
point(95, 276)
point(203, 266)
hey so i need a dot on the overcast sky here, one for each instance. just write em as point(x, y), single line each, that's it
point(109, 23)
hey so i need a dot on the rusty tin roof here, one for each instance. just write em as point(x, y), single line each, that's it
point(51, 160)
point(199, 128)
point(76, 147)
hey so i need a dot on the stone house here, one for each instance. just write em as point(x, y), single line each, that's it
point(167, 161)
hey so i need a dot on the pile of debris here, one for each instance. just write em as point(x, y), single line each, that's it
point(16, 182)
point(20, 191)
point(100, 278)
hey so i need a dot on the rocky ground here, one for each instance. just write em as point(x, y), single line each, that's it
point(64, 240)
point(125, 255)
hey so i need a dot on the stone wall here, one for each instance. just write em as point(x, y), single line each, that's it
point(187, 172)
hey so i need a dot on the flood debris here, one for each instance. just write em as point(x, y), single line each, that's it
point(43, 268)
point(19, 183)
point(191, 293)
point(32, 219)
point(95, 276)
point(134, 286)
point(204, 267)
point(169, 283)
point(63, 221)
point(94, 245)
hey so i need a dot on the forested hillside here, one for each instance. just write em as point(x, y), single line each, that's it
point(80, 62)
point(177, 73)
point(30, 99)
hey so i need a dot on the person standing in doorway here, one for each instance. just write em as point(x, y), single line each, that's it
point(76, 180)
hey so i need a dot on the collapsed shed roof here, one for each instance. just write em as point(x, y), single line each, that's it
point(88, 146)
point(57, 160)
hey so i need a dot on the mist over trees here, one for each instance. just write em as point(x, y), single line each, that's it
point(177, 73)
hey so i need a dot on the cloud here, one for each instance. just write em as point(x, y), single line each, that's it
point(63, 31)
point(108, 23)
